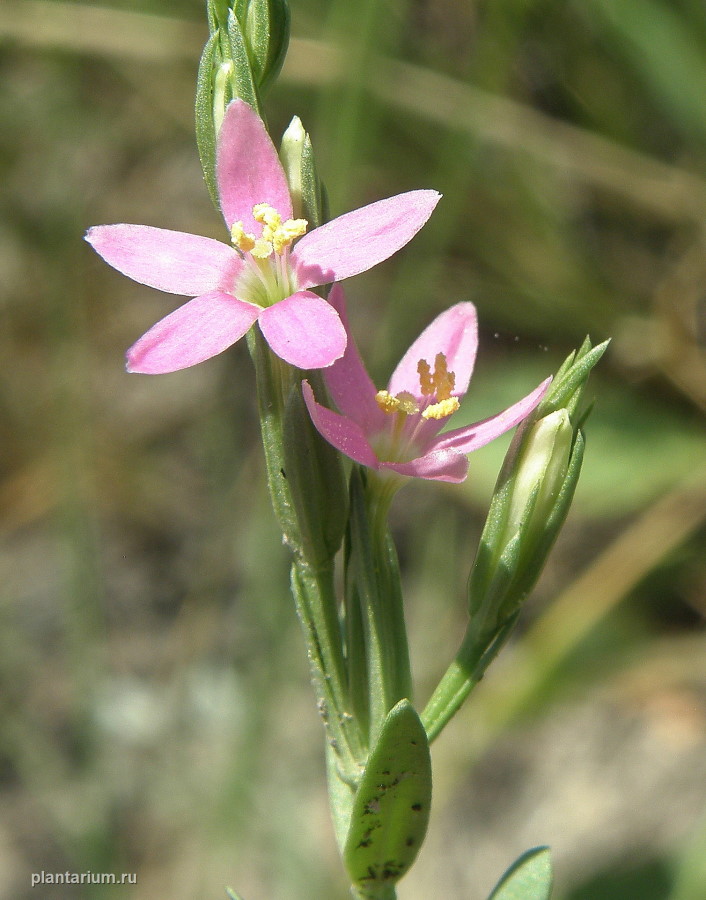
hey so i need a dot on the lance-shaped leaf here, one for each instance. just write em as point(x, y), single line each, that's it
point(391, 807)
point(528, 878)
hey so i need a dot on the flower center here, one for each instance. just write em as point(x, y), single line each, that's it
point(436, 385)
point(269, 278)
point(276, 235)
point(436, 402)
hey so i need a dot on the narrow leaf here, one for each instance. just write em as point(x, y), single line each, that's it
point(528, 878)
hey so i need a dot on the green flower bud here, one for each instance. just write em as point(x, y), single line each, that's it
point(541, 470)
point(290, 154)
point(297, 157)
point(531, 500)
point(266, 27)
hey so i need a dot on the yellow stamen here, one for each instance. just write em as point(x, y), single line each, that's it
point(440, 383)
point(287, 232)
point(241, 239)
point(442, 409)
point(444, 380)
point(426, 382)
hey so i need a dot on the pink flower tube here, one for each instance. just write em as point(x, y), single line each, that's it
point(397, 430)
point(261, 277)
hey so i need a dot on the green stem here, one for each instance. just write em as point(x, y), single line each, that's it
point(475, 654)
point(316, 604)
point(377, 634)
point(312, 580)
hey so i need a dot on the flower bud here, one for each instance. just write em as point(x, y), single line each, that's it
point(531, 499)
point(297, 157)
point(541, 470)
point(266, 28)
point(243, 55)
point(526, 514)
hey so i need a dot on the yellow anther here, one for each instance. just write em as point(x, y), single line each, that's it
point(442, 409)
point(241, 239)
point(444, 381)
point(270, 218)
point(268, 215)
point(426, 382)
point(287, 232)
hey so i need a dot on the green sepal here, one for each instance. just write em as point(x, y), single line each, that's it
point(391, 807)
point(257, 29)
point(242, 82)
point(530, 877)
point(567, 387)
point(313, 207)
point(267, 28)
point(217, 12)
point(316, 480)
point(205, 126)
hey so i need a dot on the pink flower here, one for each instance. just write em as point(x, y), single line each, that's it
point(397, 430)
point(261, 277)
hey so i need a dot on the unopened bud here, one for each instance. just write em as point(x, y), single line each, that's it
point(290, 154)
point(297, 158)
point(541, 469)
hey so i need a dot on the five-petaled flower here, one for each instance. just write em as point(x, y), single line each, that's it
point(397, 430)
point(261, 277)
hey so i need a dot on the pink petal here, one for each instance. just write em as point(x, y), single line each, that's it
point(453, 333)
point(349, 384)
point(196, 331)
point(440, 465)
point(345, 434)
point(359, 240)
point(248, 169)
point(304, 330)
point(167, 260)
point(471, 437)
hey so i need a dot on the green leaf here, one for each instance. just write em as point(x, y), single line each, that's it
point(528, 878)
point(391, 807)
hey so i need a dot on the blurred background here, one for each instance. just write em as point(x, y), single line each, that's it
point(155, 712)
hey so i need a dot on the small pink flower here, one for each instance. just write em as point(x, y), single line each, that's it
point(261, 277)
point(397, 430)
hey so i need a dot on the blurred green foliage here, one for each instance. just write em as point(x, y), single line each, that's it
point(155, 715)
